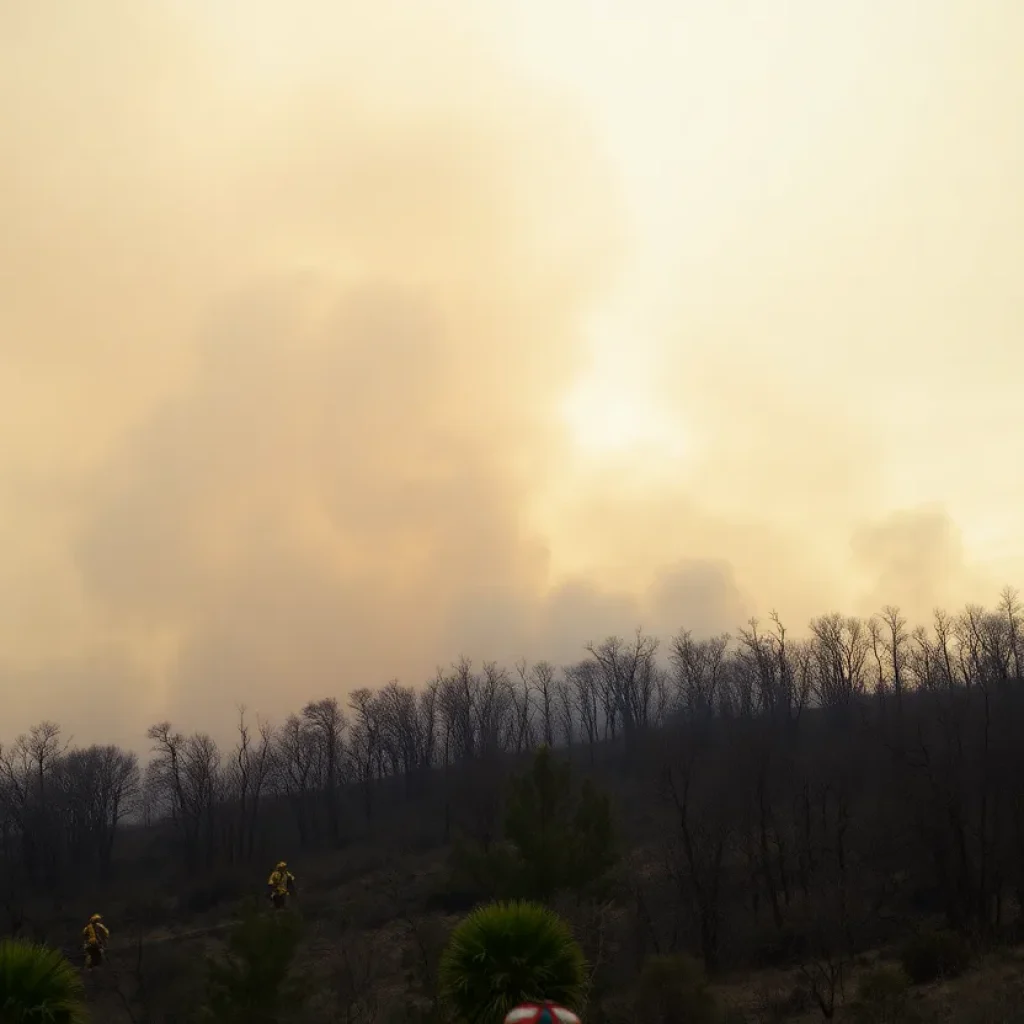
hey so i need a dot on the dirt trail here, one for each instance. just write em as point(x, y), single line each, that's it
point(123, 944)
point(122, 948)
point(158, 936)
point(108, 990)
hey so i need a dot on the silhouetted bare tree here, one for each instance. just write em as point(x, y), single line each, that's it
point(296, 763)
point(99, 787)
point(327, 725)
point(250, 774)
point(185, 775)
point(365, 745)
point(628, 671)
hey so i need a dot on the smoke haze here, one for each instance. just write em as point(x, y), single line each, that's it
point(339, 343)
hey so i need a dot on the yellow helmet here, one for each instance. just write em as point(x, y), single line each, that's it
point(95, 918)
point(281, 865)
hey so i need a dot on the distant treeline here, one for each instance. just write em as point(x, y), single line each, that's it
point(871, 762)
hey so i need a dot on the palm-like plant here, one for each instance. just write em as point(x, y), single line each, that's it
point(504, 954)
point(39, 984)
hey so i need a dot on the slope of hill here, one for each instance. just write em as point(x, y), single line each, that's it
point(777, 805)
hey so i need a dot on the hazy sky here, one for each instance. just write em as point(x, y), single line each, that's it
point(340, 338)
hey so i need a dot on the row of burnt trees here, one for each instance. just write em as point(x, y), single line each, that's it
point(819, 826)
point(60, 810)
point(864, 758)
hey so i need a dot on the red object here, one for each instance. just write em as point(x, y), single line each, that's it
point(541, 1013)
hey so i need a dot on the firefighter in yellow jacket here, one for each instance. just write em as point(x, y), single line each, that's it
point(94, 936)
point(280, 884)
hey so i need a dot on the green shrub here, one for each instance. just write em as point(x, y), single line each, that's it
point(478, 875)
point(508, 953)
point(931, 955)
point(558, 839)
point(883, 997)
point(254, 984)
point(38, 984)
point(674, 990)
point(565, 839)
point(175, 979)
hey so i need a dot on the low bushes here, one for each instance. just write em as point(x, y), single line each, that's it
point(931, 955)
point(674, 990)
point(883, 997)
